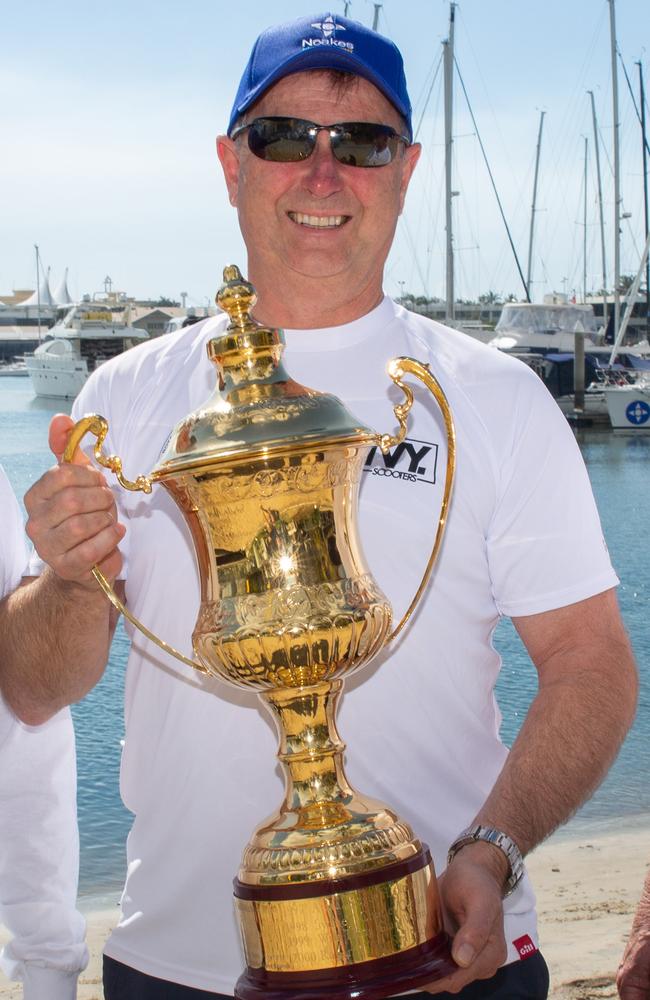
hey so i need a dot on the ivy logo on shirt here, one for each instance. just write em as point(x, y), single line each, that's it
point(411, 461)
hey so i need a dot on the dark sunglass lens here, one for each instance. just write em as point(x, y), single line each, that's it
point(285, 141)
point(361, 144)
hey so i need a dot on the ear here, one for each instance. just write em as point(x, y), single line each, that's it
point(409, 161)
point(229, 159)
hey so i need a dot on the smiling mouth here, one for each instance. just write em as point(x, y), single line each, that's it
point(319, 221)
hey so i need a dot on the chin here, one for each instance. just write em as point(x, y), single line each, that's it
point(320, 265)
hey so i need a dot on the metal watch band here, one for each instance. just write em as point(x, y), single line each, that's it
point(500, 840)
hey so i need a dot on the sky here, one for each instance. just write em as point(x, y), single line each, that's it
point(109, 112)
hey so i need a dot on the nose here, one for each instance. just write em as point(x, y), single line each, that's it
point(323, 176)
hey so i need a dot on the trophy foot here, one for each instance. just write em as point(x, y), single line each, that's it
point(373, 980)
point(370, 936)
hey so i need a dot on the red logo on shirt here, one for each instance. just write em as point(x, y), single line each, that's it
point(524, 946)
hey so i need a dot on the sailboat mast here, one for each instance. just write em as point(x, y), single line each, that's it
point(448, 49)
point(600, 207)
point(38, 290)
point(534, 208)
point(630, 300)
point(584, 223)
point(375, 20)
point(617, 171)
point(645, 198)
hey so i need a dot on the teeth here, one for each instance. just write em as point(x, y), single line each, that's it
point(319, 221)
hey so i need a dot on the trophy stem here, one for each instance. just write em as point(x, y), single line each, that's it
point(336, 898)
point(311, 752)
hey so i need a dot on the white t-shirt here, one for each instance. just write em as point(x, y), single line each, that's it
point(39, 842)
point(422, 726)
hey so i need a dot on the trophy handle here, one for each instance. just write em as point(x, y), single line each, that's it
point(97, 425)
point(397, 368)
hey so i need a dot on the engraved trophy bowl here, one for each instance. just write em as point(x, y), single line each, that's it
point(336, 897)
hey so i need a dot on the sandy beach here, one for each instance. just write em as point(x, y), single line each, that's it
point(587, 889)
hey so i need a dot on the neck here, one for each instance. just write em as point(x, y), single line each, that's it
point(306, 303)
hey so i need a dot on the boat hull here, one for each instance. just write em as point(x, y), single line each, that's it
point(63, 380)
point(628, 408)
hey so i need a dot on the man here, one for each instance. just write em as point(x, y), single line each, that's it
point(633, 979)
point(522, 539)
point(39, 845)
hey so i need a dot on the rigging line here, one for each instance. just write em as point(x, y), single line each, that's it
point(423, 94)
point(426, 87)
point(432, 191)
point(560, 145)
point(494, 187)
point(468, 217)
point(427, 98)
point(496, 122)
point(634, 104)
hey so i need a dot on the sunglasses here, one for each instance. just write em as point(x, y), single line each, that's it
point(289, 140)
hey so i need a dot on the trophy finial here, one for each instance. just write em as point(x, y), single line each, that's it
point(236, 297)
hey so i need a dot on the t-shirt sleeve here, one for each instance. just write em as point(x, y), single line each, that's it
point(13, 544)
point(545, 542)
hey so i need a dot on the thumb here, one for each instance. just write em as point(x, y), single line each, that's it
point(60, 427)
point(472, 936)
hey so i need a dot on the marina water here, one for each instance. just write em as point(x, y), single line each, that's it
point(619, 468)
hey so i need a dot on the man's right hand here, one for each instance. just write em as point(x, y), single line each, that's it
point(72, 516)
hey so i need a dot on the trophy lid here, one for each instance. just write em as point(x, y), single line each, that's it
point(256, 407)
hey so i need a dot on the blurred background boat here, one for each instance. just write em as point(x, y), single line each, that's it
point(89, 334)
point(628, 405)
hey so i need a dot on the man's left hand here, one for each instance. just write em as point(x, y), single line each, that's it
point(471, 894)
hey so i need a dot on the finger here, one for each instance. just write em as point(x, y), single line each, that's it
point(71, 503)
point(53, 546)
point(60, 427)
point(111, 567)
point(77, 562)
point(473, 935)
point(59, 478)
point(75, 530)
point(485, 966)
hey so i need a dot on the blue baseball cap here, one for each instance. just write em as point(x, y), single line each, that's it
point(323, 41)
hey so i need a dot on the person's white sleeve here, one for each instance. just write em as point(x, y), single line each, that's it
point(545, 544)
point(39, 857)
point(13, 543)
point(39, 839)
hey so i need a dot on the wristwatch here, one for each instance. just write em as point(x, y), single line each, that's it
point(500, 840)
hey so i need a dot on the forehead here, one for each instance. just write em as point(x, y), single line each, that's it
point(318, 96)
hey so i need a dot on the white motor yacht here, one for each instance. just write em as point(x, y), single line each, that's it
point(88, 335)
point(530, 327)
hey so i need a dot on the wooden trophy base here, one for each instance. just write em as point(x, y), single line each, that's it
point(382, 977)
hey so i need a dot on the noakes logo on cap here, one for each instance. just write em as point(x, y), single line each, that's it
point(328, 27)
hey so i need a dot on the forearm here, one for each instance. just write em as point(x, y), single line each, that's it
point(55, 638)
point(569, 739)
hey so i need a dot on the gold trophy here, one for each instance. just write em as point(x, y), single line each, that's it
point(336, 897)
